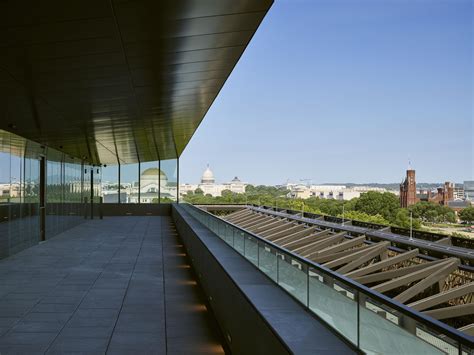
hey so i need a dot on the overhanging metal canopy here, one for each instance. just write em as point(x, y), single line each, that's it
point(118, 81)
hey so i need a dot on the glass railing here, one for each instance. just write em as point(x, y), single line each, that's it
point(369, 320)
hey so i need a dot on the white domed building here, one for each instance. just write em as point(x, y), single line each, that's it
point(208, 185)
point(150, 178)
point(208, 177)
point(151, 181)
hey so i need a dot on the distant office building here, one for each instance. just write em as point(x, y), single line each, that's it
point(328, 192)
point(458, 193)
point(469, 190)
point(10, 190)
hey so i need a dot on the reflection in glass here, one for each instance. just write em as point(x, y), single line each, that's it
point(19, 194)
point(5, 189)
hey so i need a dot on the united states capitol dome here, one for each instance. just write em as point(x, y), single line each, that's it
point(208, 176)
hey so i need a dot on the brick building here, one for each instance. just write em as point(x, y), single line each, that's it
point(409, 196)
point(408, 190)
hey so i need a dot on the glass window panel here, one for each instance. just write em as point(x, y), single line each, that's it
point(229, 234)
point(4, 193)
point(333, 302)
point(110, 184)
point(383, 331)
point(267, 260)
point(293, 277)
point(129, 182)
point(251, 249)
point(97, 176)
point(72, 193)
point(169, 180)
point(150, 178)
point(239, 241)
point(86, 188)
point(31, 192)
point(17, 233)
point(53, 193)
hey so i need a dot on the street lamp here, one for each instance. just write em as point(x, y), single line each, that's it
point(411, 225)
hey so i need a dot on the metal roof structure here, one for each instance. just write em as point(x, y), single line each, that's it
point(118, 81)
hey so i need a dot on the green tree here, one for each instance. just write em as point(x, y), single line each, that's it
point(402, 219)
point(385, 204)
point(467, 215)
point(433, 212)
point(198, 191)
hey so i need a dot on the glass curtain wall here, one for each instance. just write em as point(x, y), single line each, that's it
point(5, 186)
point(72, 192)
point(63, 193)
point(31, 194)
point(68, 189)
point(20, 192)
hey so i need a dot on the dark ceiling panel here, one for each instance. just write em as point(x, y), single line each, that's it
point(118, 81)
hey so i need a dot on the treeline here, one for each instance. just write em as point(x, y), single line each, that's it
point(372, 206)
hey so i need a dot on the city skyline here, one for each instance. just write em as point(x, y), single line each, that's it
point(313, 181)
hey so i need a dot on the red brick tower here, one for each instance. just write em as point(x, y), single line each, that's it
point(448, 193)
point(408, 190)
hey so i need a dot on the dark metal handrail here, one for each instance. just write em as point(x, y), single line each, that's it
point(435, 324)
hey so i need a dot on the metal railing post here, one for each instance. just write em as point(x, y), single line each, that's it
point(101, 213)
point(85, 207)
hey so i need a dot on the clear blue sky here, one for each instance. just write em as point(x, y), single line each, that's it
point(346, 91)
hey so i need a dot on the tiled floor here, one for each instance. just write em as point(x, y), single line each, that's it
point(121, 285)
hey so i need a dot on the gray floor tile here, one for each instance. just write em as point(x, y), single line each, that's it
point(28, 338)
point(79, 345)
point(99, 285)
point(37, 327)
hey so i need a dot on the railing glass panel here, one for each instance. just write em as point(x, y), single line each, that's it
point(293, 277)
point(334, 302)
point(268, 260)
